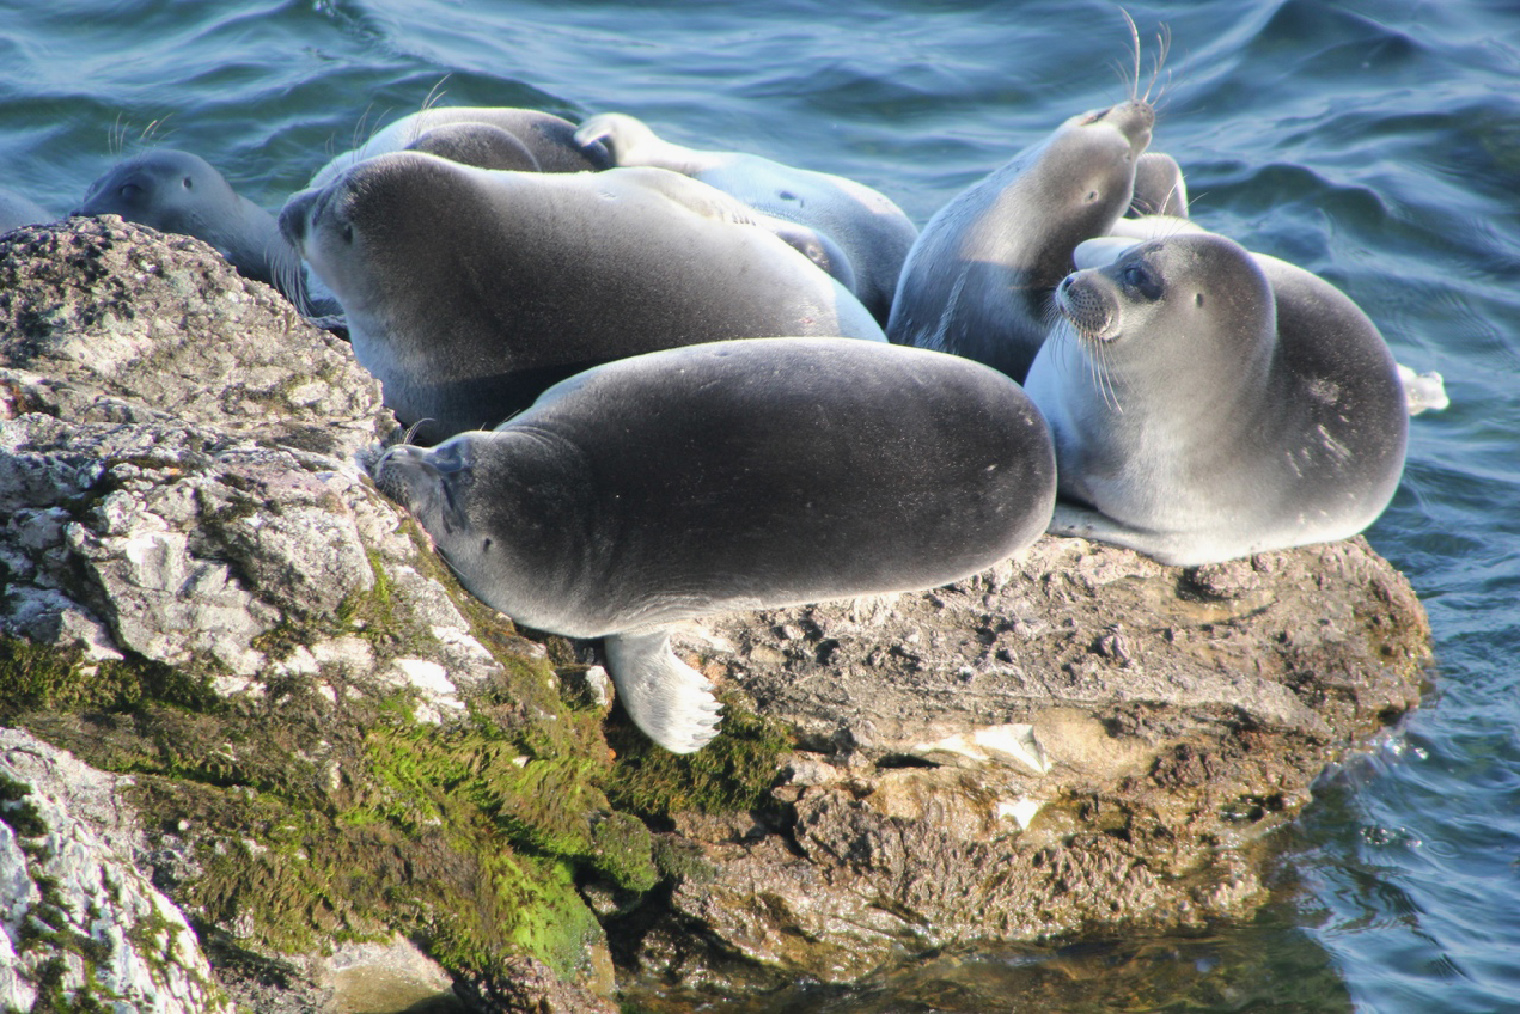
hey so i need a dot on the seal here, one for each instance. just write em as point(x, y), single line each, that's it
point(978, 281)
point(1159, 187)
point(548, 139)
point(873, 233)
point(178, 192)
point(17, 210)
point(477, 144)
point(730, 476)
point(1204, 407)
point(469, 291)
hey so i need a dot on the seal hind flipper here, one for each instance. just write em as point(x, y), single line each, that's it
point(668, 699)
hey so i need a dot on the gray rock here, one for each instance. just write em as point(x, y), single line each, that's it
point(1078, 740)
point(74, 909)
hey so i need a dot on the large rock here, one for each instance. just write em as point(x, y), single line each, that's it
point(331, 741)
point(79, 923)
point(1081, 740)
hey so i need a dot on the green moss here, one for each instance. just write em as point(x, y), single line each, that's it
point(314, 820)
point(732, 773)
point(17, 811)
point(36, 677)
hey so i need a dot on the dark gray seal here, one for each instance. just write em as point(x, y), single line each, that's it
point(17, 210)
point(469, 291)
point(729, 476)
point(175, 191)
point(978, 281)
point(872, 232)
point(548, 139)
point(1206, 404)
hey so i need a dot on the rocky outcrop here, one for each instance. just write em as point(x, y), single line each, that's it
point(335, 753)
point(78, 919)
point(1081, 740)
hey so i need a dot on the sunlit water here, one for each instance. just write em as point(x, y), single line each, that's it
point(1377, 143)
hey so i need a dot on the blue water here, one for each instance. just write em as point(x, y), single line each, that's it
point(1375, 142)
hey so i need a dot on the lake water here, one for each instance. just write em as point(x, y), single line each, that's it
point(1375, 142)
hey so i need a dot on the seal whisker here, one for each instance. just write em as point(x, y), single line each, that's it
point(1163, 47)
point(1134, 32)
point(435, 94)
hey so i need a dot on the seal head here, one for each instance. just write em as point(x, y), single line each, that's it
point(979, 279)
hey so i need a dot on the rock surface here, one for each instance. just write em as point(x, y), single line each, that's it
point(78, 920)
point(330, 741)
point(1081, 740)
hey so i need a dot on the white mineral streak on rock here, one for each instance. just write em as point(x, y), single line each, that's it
point(994, 744)
point(1021, 811)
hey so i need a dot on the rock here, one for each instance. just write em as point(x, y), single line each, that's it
point(78, 922)
point(114, 322)
point(1082, 740)
point(194, 560)
point(330, 741)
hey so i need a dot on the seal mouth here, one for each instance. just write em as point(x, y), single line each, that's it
point(1090, 314)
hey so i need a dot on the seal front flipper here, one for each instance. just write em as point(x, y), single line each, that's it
point(668, 699)
point(1174, 549)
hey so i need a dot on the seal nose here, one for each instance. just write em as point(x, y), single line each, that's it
point(294, 215)
point(1135, 120)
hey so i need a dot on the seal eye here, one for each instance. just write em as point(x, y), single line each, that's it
point(1136, 277)
point(187, 183)
point(129, 191)
point(1092, 197)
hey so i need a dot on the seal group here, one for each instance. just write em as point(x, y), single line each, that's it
point(657, 382)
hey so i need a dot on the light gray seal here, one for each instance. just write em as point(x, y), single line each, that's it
point(872, 232)
point(17, 210)
point(1159, 187)
point(978, 281)
point(730, 476)
point(1206, 407)
point(477, 144)
point(178, 192)
point(469, 291)
point(548, 139)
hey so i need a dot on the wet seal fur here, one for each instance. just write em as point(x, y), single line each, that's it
point(873, 232)
point(1205, 407)
point(730, 476)
point(979, 279)
point(470, 291)
point(180, 192)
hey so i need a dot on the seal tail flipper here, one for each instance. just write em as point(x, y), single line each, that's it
point(1423, 391)
point(668, 699)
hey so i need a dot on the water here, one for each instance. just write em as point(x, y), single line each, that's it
point(1375, 142)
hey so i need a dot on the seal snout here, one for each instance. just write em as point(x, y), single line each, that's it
point(295, 216)
point(401, 470)
point(1081, 300)
point(1135, 120)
